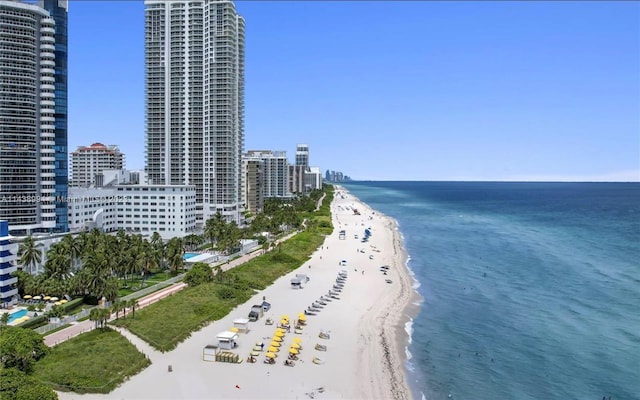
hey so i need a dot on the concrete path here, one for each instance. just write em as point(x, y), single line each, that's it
point(85, 326)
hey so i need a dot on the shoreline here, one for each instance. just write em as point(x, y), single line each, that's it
point(394, 337)
point(366, 355)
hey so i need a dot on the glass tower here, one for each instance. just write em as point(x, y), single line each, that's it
point(58, 9)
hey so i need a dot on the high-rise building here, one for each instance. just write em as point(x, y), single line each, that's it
point(89, 161)
point(58, 9)
point(194, 87)
point(33, 115)
point(253, 184)
point(275, 172)
point(302, 155)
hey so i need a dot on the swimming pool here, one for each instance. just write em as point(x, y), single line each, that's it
point(189, 255)
point(17, 314)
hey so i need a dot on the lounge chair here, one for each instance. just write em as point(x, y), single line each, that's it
point(320, 347)
point(318, 361)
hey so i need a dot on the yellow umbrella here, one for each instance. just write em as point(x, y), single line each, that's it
point(275, 344)
point(57, 303)
point(270, 355)
point(277, 338)
point(279, 334)
point(297, 339)
point(54, 299)
point(27, 296)
point(272, 349)
point(281, 330)
point(37, 297)
point(293, 351)
point(285, 317)
point(302, 318)
point(295, 346)
point(63, 301)
point(234, 329)
point(47, 298)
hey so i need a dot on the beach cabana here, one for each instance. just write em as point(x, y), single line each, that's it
point(209, 352)
point(242, 324)
point(227, 340)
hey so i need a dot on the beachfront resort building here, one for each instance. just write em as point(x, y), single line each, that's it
point(33, 115)
point(126, 201)
point(194, 89)
point(89, 161)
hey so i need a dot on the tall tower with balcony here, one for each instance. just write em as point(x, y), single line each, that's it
point(8, 251)
point(29, 106)
point(194, 89)
point(58, 10)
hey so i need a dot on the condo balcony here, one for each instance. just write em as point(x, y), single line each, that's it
point(47, 79)
point(47, 39)
point(47, 86)
point(44, 70)
point(47, 55)
point(47, 63)
point(47, 46)
point(47, 29)
point(47, 119)
point(47, 127)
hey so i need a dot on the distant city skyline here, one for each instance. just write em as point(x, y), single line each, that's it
point(400, 90)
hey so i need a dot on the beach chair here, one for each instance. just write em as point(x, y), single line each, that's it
point(320, 347)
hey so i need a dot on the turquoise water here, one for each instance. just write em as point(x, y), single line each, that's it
point(531, 290)
point(17, 314)
point(189, 255)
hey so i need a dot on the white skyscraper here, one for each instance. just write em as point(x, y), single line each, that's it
point(194, 84)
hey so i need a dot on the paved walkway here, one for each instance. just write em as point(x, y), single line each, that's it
point(87, 325)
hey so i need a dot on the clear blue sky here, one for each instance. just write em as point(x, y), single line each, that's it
point(385, 90)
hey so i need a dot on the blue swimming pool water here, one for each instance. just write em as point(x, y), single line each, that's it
point(189, 255)
point(17, 314)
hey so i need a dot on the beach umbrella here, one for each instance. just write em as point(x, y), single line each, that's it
point(295, 346)
point(27, 296)
point(272, 349)
point(279, 334)
point(275, 344)
point(234, 329)
point(284, 317)
point(47, 298)
point(302, 318)
point(54, 299)
point(63, 301)
point(277, 338)
point(293, 351)
point(281, 330)
point(258, 343)
point(57, 303)
point(37, 298)
point(297, 339)
point(270, 355)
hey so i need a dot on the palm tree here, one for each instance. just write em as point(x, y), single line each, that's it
point(117, 307)
point(30, 255)
point(214, 228)
point(73, 248)
point(133, 303)
point(58, 265)
point(175, 254)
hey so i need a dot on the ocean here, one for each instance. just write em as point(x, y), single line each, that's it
point(530, 290)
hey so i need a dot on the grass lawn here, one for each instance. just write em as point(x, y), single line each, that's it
point(170, 321)
point(90, 363)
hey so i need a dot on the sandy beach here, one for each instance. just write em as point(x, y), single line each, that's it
point(365, 354)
